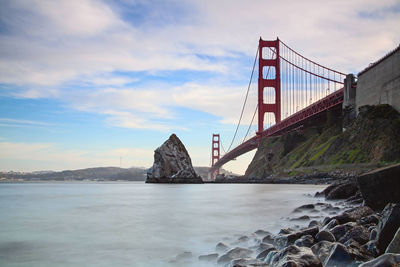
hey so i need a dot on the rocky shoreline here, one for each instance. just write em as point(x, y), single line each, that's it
point(353, 234)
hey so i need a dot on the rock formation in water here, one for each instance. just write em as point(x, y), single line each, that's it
point(172, 164)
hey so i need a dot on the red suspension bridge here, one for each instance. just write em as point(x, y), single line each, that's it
point(293, 92)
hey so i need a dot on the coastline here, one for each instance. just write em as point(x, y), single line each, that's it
point(353, 234)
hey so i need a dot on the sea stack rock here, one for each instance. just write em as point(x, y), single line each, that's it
point(172, 164)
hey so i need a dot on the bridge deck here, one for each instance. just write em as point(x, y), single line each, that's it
point(329, 102)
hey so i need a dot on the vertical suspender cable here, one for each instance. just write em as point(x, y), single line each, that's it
point(245, 100)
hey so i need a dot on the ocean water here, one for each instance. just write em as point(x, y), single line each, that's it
point(135, 224)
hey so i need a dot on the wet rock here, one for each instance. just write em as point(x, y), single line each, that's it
point(394, 245)
point(285, 240)
point(326, 220)
point(268, 239)
point(270, 256)
point(295, 256)
point(264, 253)
point(340, 230)
point(246, 262)
point(172, 164)
point(314, 223)
point(343, 190)
point(370, 219)
point(301, 218)
point(184, 256)
point(358, 233)
point(371, 247)
point(285, 231)
point(373, 234)
point(386, 260)
point(354, 214)
point(304, 207)
point(221, 247)
point(234, 253)
point(322, 249)
point(381, 186)
point(338, 256)
point(332, 223)
point(388, 226)
point(209, 257)
point(243, 239)
point(265, 246)
point(325, 235)
point(262, 233)
point(305, 241)
point(357, 252)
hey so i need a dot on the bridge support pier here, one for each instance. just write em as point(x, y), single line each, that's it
point(349, 101)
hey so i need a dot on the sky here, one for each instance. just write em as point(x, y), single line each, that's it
point(91, 83)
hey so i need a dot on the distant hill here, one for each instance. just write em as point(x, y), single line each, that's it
point(95, 174)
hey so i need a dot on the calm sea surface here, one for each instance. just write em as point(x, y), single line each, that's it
point(134, 224)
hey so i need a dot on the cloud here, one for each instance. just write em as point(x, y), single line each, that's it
point(50, 156)
point(51, 48)
point(22, 123)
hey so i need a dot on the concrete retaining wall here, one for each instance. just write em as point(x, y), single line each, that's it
point(380, 83)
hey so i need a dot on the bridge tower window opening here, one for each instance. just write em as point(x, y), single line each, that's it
point(269, 95)
point(269, 73)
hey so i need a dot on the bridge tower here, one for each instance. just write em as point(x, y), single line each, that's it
point(215, 151)
point(264, 82)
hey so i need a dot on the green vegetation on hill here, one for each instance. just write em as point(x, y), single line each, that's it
point(373, 138)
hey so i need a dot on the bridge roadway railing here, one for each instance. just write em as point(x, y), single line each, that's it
point(332, 100)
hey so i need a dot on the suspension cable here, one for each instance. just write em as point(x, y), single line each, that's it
point(245, 100)
point(248, 129)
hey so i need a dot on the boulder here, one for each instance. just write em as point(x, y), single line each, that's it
point(184, 257)
point(268, 239)
point(358, 233)
point(381, 186)
point(332, 223)
point(338, 256)
point(262, 232)
point(221, 247)
point(322, 249)
point(172, 164)
point(370, 246)
point(209, 257)
point(394, 246)
point(246, 262)
point(370, 219)
point(388, 226)
point(288, 239)
point(296, 256)
point(263, 254)
point(305, 241)
point(325, 235)
point(340, 230)
point(354, 214)
point(385, 260)
point(304, 207)
point(265, 246)
point(343, 191)
point(314, 223)
point(234, 253)
point(358, 252)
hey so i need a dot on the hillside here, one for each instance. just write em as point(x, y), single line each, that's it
point(101, 173)
point(372, 139)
